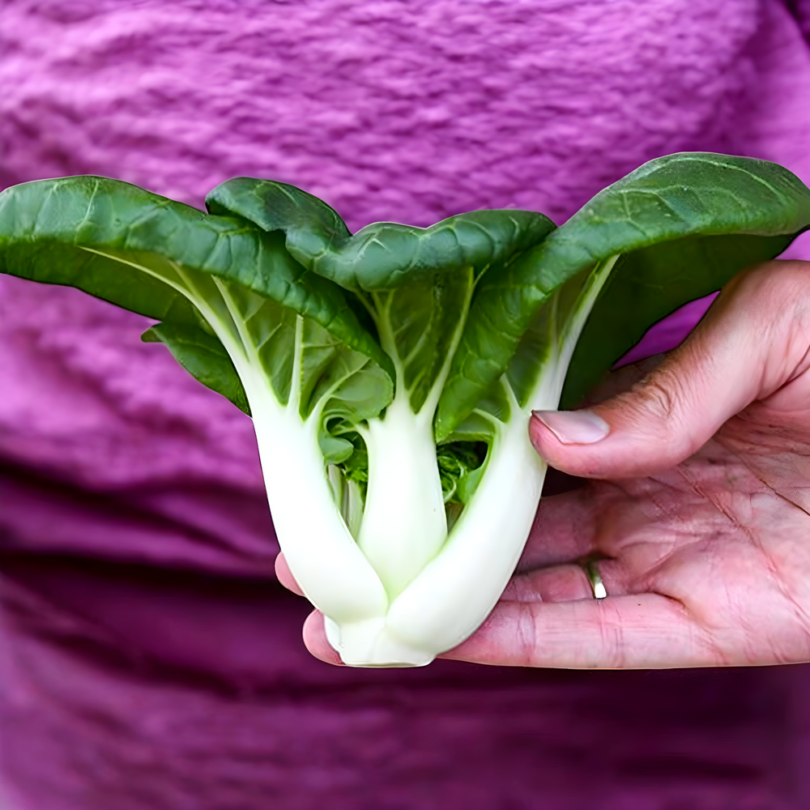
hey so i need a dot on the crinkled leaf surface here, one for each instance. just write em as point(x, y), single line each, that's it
point(384, 255)
point(682, 226)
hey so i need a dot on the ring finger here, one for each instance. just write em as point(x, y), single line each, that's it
point(569, 582)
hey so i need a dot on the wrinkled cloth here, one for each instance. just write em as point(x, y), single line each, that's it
point(149, 660)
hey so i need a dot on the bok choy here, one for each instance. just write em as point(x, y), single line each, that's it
point(390, 374)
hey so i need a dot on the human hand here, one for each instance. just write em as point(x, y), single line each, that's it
point(703, 514)
point(700, 514)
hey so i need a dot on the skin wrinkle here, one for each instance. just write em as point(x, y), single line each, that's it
point(801, 613)
point(709, 495)
point(804, 363)
point(770, 564)
point(612, 636)
point(789, 283)
point(527, 638)
point(798, 611)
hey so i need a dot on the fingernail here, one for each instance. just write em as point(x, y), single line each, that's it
point(574, 427)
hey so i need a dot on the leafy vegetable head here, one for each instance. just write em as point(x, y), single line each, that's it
point(390, 373)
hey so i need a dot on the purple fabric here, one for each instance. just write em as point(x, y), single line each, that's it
point(149, 660)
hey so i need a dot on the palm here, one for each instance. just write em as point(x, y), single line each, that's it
point(705, 564)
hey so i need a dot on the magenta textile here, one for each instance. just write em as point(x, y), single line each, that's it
point(149, 660)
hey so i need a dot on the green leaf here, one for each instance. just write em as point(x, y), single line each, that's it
point(345, 385)
point(539, 347)
point(204, 357)
point(415, 283)
point(458, 461)
point(649, 284)
point(683, 225)
point(67, 232)
point(310, 225)
point(384, 255)
point(355, 468)
point(298, 357)
point(419, 325)
point(158, 257)
point(335, 449)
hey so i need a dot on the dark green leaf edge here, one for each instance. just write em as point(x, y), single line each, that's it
point(384, 255)
point(202, 356)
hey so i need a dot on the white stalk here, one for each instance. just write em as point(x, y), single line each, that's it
point(317, 544)
point(552, 376)
point(458, 589)
point(404, 524)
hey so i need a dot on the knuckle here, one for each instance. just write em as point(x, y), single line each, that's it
point(658, 412)
point(661, 395)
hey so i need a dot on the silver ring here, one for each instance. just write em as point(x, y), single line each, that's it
point(598, 587)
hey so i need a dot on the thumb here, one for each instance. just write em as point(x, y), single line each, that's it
point(743, 350)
